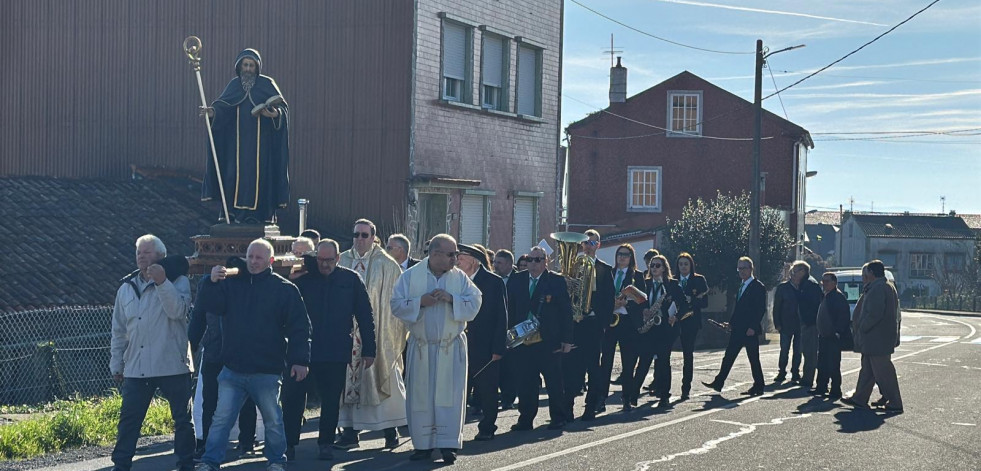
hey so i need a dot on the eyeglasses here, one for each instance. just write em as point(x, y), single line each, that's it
point(535, 259)
point(391, 248)
point(623, 254)
point(448, 254)
point(363, 235)
point(326, 260)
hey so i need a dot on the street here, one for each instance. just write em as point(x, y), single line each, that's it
point(939, 367)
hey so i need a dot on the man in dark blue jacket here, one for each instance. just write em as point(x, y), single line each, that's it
point(333, 296)
point(260, 310)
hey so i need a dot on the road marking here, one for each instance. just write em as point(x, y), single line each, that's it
point(745, 429)
point(909, 338)
point(964, 424)
point(977, 341)
point(945, 339)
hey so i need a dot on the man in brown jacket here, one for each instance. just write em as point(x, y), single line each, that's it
point(876, 332)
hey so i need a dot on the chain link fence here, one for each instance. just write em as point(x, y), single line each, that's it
point(54, 353)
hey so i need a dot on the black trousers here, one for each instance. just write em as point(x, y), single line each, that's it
point(137, 394)
point(328, 378)
point(689, 331)
point(581, 361)
point(532, 361)
point(508, 378)
point(829, 364)
point(738, 341)
point(484, 388)
point(656, 342)
point(625, 335)
point(209, 401)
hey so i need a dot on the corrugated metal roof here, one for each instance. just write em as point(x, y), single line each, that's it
point(913, 226)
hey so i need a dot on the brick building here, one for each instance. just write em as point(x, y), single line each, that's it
point(638, 162)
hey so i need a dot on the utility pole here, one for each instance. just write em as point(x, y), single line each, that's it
point(754, 198)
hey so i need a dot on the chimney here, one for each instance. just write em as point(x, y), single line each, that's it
point(618, 83)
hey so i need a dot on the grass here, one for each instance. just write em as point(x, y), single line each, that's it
point(74, 423)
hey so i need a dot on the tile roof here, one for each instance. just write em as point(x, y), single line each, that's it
point(972, 220)
point(68, 242)
point(823, 217)
point(914, 226)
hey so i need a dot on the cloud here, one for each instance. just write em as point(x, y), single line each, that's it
point(770, 12)
point(839, 68)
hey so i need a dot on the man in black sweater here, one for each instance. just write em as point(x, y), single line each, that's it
point(260, 310)
point(333, 296)
point(834, 333)
point(809, 296)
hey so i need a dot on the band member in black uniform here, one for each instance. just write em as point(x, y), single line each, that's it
point(588, 336)
point(485, 337)
point(545, 295)
point(664, 297)
point(744, 328)
point(625, 330)
point(695, 289)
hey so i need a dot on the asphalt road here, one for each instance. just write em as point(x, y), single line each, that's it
point(939, 366)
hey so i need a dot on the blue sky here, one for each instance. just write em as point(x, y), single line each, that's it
point(924, 76)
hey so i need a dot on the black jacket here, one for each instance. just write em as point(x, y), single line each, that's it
point(550, 303)
point(635, 311)
point(695, 286)
point(664, 333)
point(809, 296)
point(786, 317)
point(332, 302)
point(204, 330)
point(259, 313)
point(410, 262)
point(749, 310)
point(834, 315)
point(602, 300)
point(487, 332)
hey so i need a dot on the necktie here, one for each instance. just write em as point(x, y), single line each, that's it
point(741, 289)
point(619, 280)
point(534, 283)
point(684, 282)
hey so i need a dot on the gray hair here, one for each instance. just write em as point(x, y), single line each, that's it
point(800, 264)
point(402, 240)
point(157, 244)
point(306, 242)
point(265, 243)
point(329, 243)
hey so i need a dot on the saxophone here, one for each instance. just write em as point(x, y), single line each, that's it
point(653, 315)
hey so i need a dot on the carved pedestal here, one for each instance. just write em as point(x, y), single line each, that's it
point(232, 240)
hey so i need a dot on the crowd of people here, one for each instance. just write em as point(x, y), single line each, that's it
point(388, 341)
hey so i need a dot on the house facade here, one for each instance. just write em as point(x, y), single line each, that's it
point(917, 248)
point(636, 164)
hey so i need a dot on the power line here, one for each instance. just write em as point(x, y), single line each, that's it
point(898, 79)
point(775, 87)
point(655, 36)
point(853, 52)
point(942, 131)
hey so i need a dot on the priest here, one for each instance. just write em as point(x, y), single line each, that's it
point(436, 300)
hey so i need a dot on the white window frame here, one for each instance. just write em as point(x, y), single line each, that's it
point(495, 97)
point(922, 265)
point(672, 132)
point(486, 222)
point(658, 203)
point(455, 88)
point(535, 197)
point(537, 95)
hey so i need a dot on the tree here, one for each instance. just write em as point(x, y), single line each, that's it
point(716, 233)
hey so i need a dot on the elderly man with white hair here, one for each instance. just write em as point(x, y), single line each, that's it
point(149, 351)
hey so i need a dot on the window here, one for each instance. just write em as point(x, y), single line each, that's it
point(954, 262)
point(474, 224)
point(456, 57)
point(529, 81)
point(921, 265)
point(494, 72)
point(525, 224)
point(684, 113)
point(888, 259)
point(644, 189)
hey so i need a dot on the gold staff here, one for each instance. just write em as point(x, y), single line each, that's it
point(192, 47)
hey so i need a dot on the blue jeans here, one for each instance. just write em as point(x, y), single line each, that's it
point(233, 389)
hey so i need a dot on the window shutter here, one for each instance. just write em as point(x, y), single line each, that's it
point(493, 60)
point(527, 75)
point(454, 50)
point(472, 222)
point(524, 219)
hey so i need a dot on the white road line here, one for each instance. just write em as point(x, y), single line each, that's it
point(588, 445)
point(964, 424)
point(977, 341)
point(909, 338)
point(945, 339)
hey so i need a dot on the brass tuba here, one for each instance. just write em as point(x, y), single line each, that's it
point(578, 270)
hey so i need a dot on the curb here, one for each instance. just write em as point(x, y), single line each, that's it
point(947, 313)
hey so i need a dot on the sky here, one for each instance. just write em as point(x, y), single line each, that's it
point(923, 78)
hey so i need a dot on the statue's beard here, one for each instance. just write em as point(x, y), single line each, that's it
point(248, 80)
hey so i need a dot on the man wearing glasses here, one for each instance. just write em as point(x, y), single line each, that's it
point(745, 326)
point(374, 396)
point(398, 247)
point(540, 293)
point(335, 298)
point(588, 336)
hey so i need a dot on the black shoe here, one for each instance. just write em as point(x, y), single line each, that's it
point(391, 443)
point(650, 387)
point(483, 437)
point(420, 455)
point(753, 392)
point(880, 402)
point(291, 453)
point(713, 386)
point(627, 407)
point(326, 453)
point(819, 392)
point(476, 411)
point(601, 409)
point(347, 441)
point(449, 455)
point(834, 396)
point(559, 425)
point(664, 403)
point(245, 448)
point(619, 380)
point(507, 405)
point(780, 378)
point(893, 410)
point(520, 427)
point(795, 379)
point(854, 403)
point(633, 402)
point(685, 392)
point(588, 416)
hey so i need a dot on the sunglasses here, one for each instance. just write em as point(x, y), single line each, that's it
point(326, 260)
point(363, 235)
point(623, 254)
point(656, 265)
point(535, 259)
point(591, 242)
point(448, 254)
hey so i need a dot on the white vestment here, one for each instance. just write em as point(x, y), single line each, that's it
point(436, 389)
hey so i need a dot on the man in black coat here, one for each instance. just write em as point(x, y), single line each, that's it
point(486, 335)
point(334, 297)
point(540, 293)
point(745, 326)
point(786, 320)
point(809, 296)
point(588, 336)
point(834, 333)
point(504, 267)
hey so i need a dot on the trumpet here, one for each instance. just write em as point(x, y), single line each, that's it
point(722, 325)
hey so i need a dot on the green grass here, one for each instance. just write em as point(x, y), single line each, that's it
point(69, 424)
